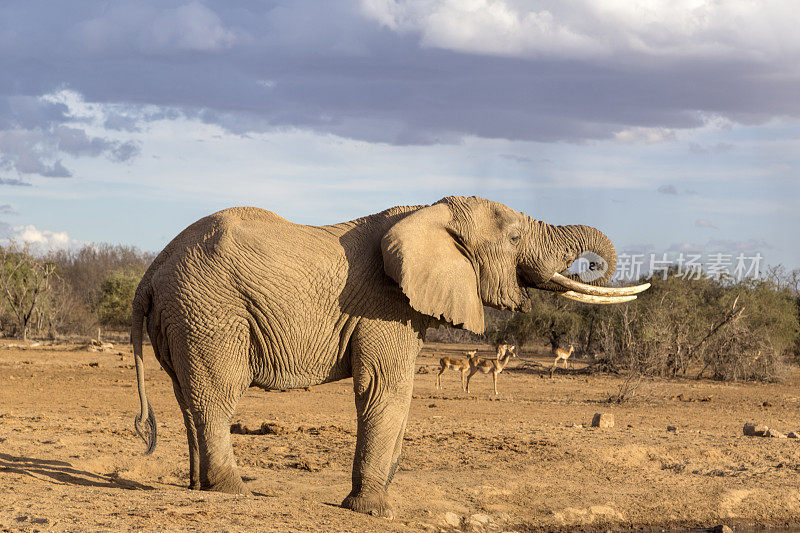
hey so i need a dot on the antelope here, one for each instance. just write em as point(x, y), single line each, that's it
point(562, 354)
point(495, 366)
point(503, 348)
point(456, 363)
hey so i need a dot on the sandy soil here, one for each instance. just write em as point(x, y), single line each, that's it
point(69, 459)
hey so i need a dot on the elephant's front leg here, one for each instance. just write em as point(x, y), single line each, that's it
point(381, 421)
point(398, 449)
point(383, 396)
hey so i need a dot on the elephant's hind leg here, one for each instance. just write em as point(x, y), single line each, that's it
point(212, 417)
point(191, 436)
point(213, 384)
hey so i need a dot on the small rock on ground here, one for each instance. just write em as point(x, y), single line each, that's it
point(793, 435)
point(721, 528)
point(308, 466)
point(482, 519)
point(451, 519)
point(479, 522)
point(775, 434)
point(272, 428)
point(754, 430)
point(603, 420)
point(267, 428)
point(672, 429)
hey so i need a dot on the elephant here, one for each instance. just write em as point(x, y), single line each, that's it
point(244, 298)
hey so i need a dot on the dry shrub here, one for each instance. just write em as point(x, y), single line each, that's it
point(735, 331)
point(680, 327)
point(451, 335)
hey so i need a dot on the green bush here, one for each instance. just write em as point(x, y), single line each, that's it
point(116, 295)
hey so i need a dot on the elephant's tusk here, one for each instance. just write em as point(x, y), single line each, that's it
point(577, 286)
point(590, 299)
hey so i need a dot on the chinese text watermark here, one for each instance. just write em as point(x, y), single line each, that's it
point(717, 266)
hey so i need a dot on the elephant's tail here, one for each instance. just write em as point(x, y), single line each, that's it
point(145, 409)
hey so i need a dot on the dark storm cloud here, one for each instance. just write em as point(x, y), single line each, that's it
point(119, 122)
point(28, 112)
point(125, 151)
point(34, 138)
point(14, 182)
point(76, 142)
point(251, 66)
point(31, 163)
point(38, 151)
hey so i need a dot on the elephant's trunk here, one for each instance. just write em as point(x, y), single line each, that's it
point(587, 243)
point(551, 250)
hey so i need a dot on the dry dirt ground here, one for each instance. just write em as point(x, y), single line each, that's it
point(69, 459)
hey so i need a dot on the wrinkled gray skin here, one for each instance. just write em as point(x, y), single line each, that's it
point(245, 298)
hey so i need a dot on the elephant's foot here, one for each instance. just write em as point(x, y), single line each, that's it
point(373, 502)
point(232, 485)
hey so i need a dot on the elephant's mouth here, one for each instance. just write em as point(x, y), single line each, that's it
point(569, 287)
point(524, 298)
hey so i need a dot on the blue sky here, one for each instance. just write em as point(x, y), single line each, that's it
point(672, 126)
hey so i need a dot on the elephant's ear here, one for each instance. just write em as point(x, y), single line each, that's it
point(425, 259)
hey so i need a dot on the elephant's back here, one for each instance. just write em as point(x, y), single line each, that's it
point(245, 257)
point(234, 221)
point(241, 240)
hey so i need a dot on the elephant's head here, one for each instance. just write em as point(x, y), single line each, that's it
point(453, 257)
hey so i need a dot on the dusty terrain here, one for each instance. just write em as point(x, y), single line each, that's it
point(69, 459)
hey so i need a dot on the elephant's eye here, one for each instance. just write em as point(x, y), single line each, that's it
point(514, 239)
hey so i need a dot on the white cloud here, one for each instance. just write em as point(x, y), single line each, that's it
point(481, 26)
point(41, 240)
point(704, 223)
point(592, 28)
point(640, 134)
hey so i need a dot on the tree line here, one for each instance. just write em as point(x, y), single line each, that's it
point(68, 292)
point(701, 327)
point(705, 327)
